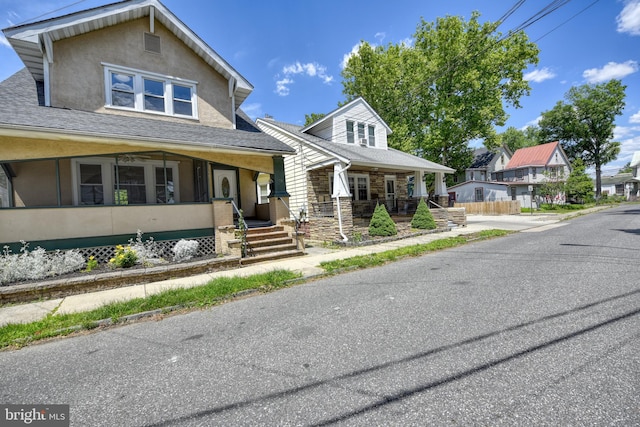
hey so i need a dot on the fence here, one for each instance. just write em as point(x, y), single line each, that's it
point(509, 207)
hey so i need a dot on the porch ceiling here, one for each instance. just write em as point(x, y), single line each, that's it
point(20, 149)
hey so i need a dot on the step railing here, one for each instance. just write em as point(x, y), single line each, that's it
point(297, 222)
point(245, 248)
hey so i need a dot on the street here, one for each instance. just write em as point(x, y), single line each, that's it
point(541, 327)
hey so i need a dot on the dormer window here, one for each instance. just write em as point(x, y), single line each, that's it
point(350, 135)
point(149, 92)
point(372, 136)
point(361, 134)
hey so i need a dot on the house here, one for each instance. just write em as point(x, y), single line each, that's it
point(480, 191)
point(622, 185)
point(486, 163)
point(125, 119)
point(531, 167)
point(635, 171)
point(343, 167)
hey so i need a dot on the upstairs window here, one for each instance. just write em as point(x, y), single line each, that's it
point(350, 136)
point(361, 135)
point(372, 136)
point(149, 92)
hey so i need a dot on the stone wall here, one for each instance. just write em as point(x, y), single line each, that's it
point(328, 228)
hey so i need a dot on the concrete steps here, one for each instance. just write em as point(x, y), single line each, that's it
point(268, 244)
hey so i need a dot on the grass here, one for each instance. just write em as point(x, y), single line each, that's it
point(212, 293)
point(376, 259)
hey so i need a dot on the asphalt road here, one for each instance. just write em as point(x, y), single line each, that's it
point(537, 328)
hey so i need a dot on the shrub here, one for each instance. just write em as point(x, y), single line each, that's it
point(147, 251)
point(37, 264)
point(185, 250)
point(423, 219)
point(125, 257)
point(381, 223)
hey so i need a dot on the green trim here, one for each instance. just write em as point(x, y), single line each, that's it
point(120, 239)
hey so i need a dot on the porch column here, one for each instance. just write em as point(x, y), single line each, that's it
point(340, 181)
point(279, 187)
point(441, 190)
point(419, 186)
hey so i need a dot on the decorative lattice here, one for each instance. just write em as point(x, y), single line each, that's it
point(207, 246)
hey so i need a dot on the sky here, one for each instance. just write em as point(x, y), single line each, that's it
point(293, 51)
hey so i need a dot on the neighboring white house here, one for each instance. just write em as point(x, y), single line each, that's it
point(486, 163)
point(343, 167)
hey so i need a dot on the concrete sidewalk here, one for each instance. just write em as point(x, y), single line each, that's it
point(307, 265)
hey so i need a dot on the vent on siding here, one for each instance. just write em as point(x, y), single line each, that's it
point(151, 43)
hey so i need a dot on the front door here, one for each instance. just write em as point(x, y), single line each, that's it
point(225, 185)
point(390, 191)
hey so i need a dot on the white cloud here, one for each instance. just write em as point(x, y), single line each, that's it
point(310, 69)
point(532, 123)
point(612, 70)
point(282, 86)
point(629, 19)
point(4, 41)
point(347, 56)
point(635, 118)
point(539, 76)
point(380, 36)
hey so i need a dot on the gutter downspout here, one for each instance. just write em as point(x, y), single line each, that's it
point(344, 238)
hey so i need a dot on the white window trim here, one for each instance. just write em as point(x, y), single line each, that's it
point(355, 177)
point(108, 178)
point(138, 89)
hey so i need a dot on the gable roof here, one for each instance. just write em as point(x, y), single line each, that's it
point(538, 155)
point(32, 41)
point(337, 111)
point(21, 111)
point(358, 155)
point(482, 158)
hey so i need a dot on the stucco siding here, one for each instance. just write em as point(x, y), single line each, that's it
point(77, 73)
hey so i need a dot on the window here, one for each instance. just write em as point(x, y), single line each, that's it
point(534, 173)
point(479, 194)
point(372, 136)
point(103, 181)
point(350, 136)
point(519, 174)
point(359, 187)
point(91, 188)
point(149, 92)
point(361, 135)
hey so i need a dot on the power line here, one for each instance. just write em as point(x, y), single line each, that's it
point(558, 26)
point(53, 11)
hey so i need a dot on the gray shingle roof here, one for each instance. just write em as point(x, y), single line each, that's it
point(21, 107)
point(358, 155)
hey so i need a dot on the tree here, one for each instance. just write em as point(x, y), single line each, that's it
point(626, 168)
point(313, 117)
point(423, 219)
point(514, 139)
point(552, 189)
point(584, 124)
point(447, 89)
point(381, 223)
point(579, 185)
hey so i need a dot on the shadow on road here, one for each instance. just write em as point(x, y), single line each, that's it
point(404, 394)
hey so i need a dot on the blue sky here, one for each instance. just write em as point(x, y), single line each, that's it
point(292, 51)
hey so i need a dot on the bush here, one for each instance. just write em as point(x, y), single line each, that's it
point(381, 223)
point(423, 219)
point(37, 264)
point(125, 257)
point(185, 250)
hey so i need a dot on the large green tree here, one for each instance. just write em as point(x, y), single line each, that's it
point(579, 185)
point(515, 139)
point(584, 124)
point(448, 88)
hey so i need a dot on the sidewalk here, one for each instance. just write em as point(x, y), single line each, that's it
point(307, 265)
